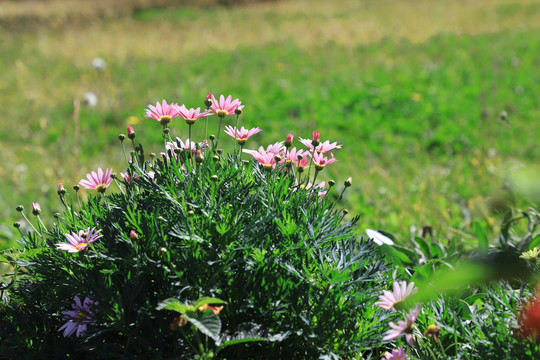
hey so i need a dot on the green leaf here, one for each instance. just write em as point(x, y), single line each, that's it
point(208, 300)
point(210, 324)
point(175, 305)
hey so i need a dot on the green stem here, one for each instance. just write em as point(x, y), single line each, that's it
point(218, 132)
point(236, 131)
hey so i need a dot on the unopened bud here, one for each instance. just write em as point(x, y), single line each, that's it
point(215, 158)
point(220, 151)
point(56, 215)
point(121, 137)
point(19, 208)
point(160, 218)
point(345, 211)
point(17, 224)
point(163, 250)
point(199, 158)
point(76, 187)
point(208, 101)
point(348, 182)
point(238, 111)
point(166, 131)
point(131, 132)
point(331, 183)
point(214, 178)
point(152, 155)
point(300, 157)
point(36, 209)
point(277, 158)
point(133, 235)
point(191, 213)
point(212, 137)
point(288, 140)
point(316, 138)
point(61, 190)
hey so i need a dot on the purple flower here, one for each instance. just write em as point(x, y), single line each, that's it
point(396, 354)
point(79, 317)
point(393, 300)
point(403, 327)
point(79, 242)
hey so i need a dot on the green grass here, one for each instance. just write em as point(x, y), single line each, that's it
point(418, 116)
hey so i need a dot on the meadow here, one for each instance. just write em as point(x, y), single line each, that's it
point(434, 102)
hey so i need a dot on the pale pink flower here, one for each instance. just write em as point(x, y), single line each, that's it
point(266, 159)
point(127, 177)
point(324, 147)
point(79, 242)
point(394, 300)
point(163, 113)
point(79, 317)
point(292, 157)
point(225, 107)
point(320, 161)
point(187, 145)
point(276, 148)
point(241, 135)
point(191, 115)
point(396, 354)
point(319, 188)
point(99, 181)
point(403, 327)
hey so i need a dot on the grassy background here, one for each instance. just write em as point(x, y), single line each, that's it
point(413, 89)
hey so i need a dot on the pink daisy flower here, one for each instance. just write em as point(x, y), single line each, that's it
point(403, 327)
point(79, 317)
point(396, 354)
point(394, 300)
point(225, 107)
point(163, 112)
point(320, 161)
point(79, 242)
point(266, 159)
point(191, 115)
point(324, 147)
point(241, 135)
point(319, 188)
point(99, 181)
point(292, 157)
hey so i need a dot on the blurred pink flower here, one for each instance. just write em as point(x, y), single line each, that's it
point(191, 115)
point(163, 112)
point(79, 242)
point(288, 140)
point(131, 132)
point(225, 107)
point(36, 209)
point(320, 161)
point(78, 318)
point(241, 135)
point(394, 300)
point(99, 181)
point(292, 156)
point(396, 354)
point(324, 147)
point(403, 327)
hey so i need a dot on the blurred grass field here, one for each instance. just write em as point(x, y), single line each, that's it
point(413, 89)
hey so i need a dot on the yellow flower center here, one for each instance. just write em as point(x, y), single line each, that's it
point(81, 246)
point(190, 121)
point(241, 141)
point(101, 188)
point(222, 113)
point(81, 315)
point(268, 167)
point(165, 119)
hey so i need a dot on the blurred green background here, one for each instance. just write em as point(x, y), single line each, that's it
point(435, 101)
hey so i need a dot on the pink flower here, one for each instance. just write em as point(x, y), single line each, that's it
point(309, 186)
point(316, 138)
point(208, 100)
point(36, 209)
point(225, 106)
point(180, 145)
point(131, 132)
point(321, 161)
point(163, 113)
point(78, 318)
point(266, 159)
point(292, 157)
point(79, 242)
point(191, 115)
point(396, 354)
point(99, 181)
point(403, 327)
point(324, 147)
point(241, 135)
point(276, 148)
point(394, 300)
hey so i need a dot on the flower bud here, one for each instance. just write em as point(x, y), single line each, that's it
point(160, 218)
point(19, 208)
point(61, 190)
point(348, 182)
point(17, 224)
point(36, 209)
point(219, 151)
point(121, 137)
point(131, 132)
point(152, 155)
point(238, 111)
point(163, 250)
point(215, 158)
point(214, 178)
point(133, 235)
point(277, 158)
point(288, 140)
point(199, 158)
point(208, 100)
point(331, 183)
point(345, 211)
point(316, 139)
point(166, 131)
point(212, 137)
point(56, 215)
point(191, 213)
point(76, 187)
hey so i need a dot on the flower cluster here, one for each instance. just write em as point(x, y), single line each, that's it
point(78, 318)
